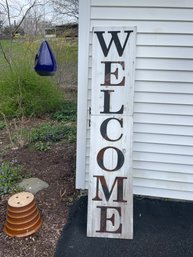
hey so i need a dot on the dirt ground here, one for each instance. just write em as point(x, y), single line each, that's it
point(57, 167)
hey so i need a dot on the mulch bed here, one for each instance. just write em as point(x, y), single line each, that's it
point(57, 167)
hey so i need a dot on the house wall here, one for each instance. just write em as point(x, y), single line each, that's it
point(163, 97)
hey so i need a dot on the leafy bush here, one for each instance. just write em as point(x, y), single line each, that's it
point(53, 133)
point(10, 174)
point(23, 92)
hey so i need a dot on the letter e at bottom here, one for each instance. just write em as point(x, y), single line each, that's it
point(116, 226)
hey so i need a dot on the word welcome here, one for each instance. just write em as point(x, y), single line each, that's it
point(110, 188)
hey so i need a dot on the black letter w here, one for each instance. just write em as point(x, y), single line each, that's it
point(115, 38)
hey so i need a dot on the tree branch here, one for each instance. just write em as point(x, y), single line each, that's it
point(9, 17)
point(66, 7)
point(5, 57)
point(23, 18)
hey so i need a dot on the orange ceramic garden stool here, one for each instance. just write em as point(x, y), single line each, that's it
point(23, 217)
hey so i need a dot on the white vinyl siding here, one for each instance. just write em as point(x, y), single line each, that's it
point(163, 98)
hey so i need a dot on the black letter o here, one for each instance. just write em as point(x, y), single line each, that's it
point(120, 158)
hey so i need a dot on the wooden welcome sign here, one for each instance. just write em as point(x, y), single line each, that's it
point(110, 196)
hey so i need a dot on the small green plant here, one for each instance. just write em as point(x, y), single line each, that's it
point(2, 125)
point(67, 112)
point(42, 146)
point(10, 174)
point(54, 133)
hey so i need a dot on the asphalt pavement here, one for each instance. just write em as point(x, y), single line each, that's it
point(162, 228)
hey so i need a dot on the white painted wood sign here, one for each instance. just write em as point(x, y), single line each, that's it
point(110, 195)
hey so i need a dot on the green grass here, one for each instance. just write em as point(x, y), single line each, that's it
point(64, 52)
point(17, 50)
point(14, 50)
point(67, 57)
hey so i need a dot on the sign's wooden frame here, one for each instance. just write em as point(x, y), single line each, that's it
point(110, 200)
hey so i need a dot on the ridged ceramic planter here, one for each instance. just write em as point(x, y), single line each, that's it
point(23, 217)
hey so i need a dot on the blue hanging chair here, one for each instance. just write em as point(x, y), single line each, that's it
point(45, 62)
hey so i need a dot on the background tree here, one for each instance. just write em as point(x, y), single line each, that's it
point(66, 8)
point(30, 15)
point(15, 13)
point(2, 19)
point(35, 21)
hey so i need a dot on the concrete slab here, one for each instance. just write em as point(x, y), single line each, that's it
point(33, 185)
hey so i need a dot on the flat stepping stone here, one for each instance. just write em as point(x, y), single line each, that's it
point(33, 185)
